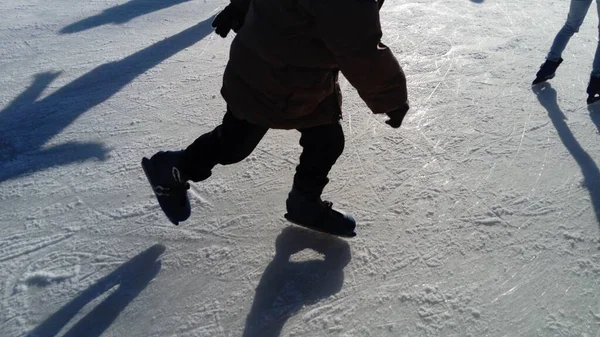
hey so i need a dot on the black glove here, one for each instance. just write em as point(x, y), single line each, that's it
point(229, 19)
point(396, 116)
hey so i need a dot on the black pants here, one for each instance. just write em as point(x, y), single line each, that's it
point(235, 139)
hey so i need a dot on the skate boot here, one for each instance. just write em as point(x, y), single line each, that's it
point(593, 90)
point(169, 185)
point(313, 213)
point(547, 71)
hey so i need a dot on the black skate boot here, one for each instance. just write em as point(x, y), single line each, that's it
point(547, 71)
point(593, 90)
point(169, 185)
point(316, 214)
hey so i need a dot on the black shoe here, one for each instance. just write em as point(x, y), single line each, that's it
point(547, 71)
point(313, 213)
point(593, 90)
point(169, 185)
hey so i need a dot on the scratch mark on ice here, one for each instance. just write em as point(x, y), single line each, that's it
point(506, 293)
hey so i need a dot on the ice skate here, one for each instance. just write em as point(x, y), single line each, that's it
point(593, 90)
point(316, 214)
point(547, 71)
point(170, 187)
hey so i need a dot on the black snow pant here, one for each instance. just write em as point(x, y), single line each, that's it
point(235, 139)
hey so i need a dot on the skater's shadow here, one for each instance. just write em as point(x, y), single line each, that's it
point(546, 95)
point(120, 14)
point(286, 286)
point(28, 122)
point(132, 277)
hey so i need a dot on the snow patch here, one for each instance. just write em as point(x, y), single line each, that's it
point(45, 278)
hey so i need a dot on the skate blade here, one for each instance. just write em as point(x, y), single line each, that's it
point(592, 99)
point(320, 230)
point(539, 80)
point(149, 172)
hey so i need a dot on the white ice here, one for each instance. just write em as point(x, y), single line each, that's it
point(479, 217)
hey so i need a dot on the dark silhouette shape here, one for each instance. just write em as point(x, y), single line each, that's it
point(132, 277)
point(478, 1)
point(546, 95)
point(286, 286)
point(120, 14)
point(26, 124)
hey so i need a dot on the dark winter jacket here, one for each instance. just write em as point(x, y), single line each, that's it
point(284, 61)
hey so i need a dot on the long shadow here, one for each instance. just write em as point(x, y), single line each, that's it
point(132, 277)
point(27, 123)
point(120, 14)
point(286, 286)
point(546, 95)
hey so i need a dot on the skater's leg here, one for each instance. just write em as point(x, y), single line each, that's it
point(593, 89)
point(577, 11)
point(596, 64)
point(168, 172)
point(228, 143)
point(322, 146)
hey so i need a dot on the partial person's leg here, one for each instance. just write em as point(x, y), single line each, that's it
point(228, 143)
point(169, 171)
point(593, 89)
point(596, 64)
point(577, 11)
point(322, 146)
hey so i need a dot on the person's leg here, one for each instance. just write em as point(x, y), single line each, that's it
point(228, 143)
point(169, 171)
point(593, 89)
point(577, 11)
point(322, 146)
point(596, 64)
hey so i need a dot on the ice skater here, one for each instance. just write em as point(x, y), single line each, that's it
point(283, 74)
point(577, 13)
